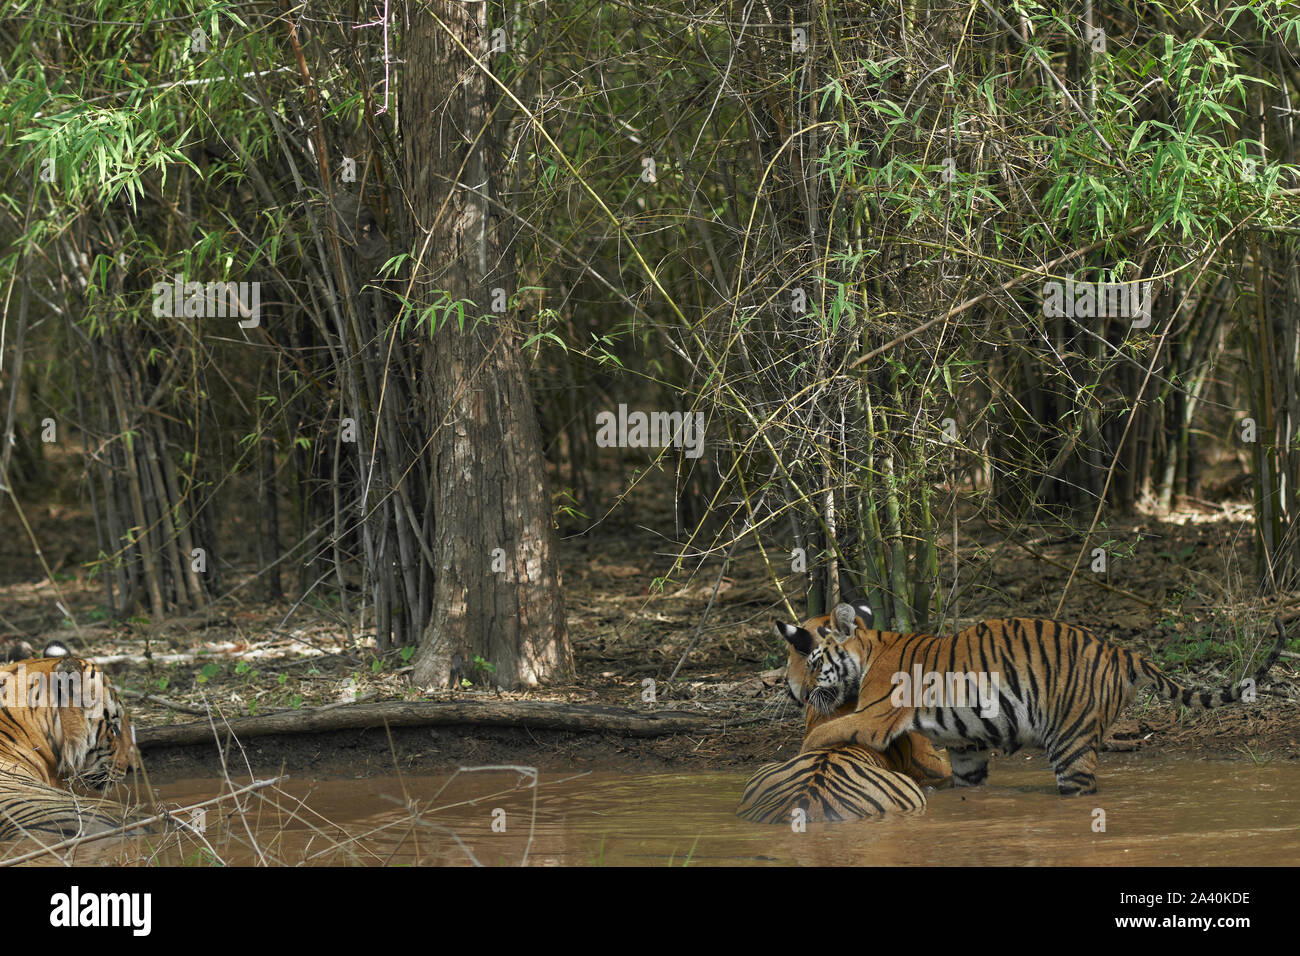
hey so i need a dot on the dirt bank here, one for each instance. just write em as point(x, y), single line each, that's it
point(1178, 589)
point(1268, 735)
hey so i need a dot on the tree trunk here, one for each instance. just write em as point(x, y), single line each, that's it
point(498, 614)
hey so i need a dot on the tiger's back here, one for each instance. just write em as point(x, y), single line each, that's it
point(828, 784)
point(29, 808)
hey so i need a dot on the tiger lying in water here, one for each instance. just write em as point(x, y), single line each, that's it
point(61, 721)
point(842, 783)
point(1055, 686)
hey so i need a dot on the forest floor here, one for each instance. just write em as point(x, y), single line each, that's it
point(1173, 591)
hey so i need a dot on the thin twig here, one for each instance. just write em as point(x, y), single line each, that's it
point(136, 824)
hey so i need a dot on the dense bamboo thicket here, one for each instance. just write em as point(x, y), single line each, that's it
point(271, 279)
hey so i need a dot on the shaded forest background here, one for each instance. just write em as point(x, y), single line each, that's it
point(831, 229)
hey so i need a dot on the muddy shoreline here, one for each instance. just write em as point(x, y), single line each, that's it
point(1185, 603)
point(1263, 734)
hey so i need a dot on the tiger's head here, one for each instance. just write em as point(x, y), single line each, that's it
point(823, 663)
point(99, 747)
point(64, 722)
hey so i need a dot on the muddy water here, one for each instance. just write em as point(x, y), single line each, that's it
point(1157, 812)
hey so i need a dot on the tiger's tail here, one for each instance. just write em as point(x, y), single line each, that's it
point(1209, 699)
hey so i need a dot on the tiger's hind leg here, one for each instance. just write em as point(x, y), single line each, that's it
point(1075, 764)
point(970, 766)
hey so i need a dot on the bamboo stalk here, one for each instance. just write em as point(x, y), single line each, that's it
point(183, 520)
point(141, 542)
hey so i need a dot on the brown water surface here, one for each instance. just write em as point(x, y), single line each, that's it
point(1156, 812)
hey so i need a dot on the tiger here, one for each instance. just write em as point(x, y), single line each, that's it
point(842, 783)
point(828, 784)
point(28, 808)
point(1046, 684)
point(61, 722)
point(912, 753)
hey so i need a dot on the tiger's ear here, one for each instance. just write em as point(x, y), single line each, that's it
point(846, 618)
point(799, 639)
point(864, 611)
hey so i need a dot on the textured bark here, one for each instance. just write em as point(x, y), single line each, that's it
point(496, 596)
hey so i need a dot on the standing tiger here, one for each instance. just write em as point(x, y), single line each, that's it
point(1042, 683)
point(842, 783)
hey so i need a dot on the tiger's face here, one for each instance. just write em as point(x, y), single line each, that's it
point(66, 723)
point(820, 671)
point(99, 746)
point(110, 750)
point(836, 668)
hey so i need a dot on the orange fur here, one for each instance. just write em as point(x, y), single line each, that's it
point(1054, 686)
point(843, 782)
point(61, 722)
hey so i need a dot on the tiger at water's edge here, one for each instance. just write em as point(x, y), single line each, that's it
point(842, 783)
point(62, 722)
point(911, 754)
point(1055, 686)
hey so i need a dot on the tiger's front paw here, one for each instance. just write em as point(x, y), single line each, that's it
point(819, 738)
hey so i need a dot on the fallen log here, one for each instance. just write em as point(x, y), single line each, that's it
point(544, 715)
